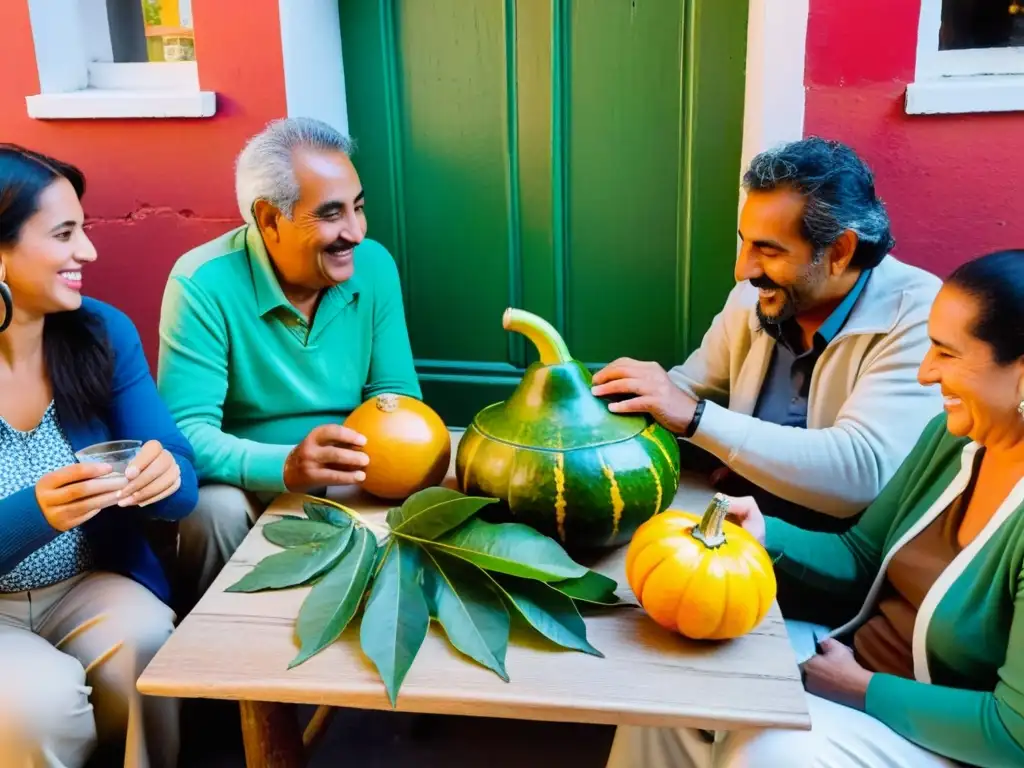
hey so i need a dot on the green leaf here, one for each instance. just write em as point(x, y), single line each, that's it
point(473, 615)
point(511, 548)
point(433, 512)
point(325, 513)
point(393, 517)
point(592, 587)
point(296, 531)
point(548, 611)
point(294, 566)
point(396, 617)
point(331, 604)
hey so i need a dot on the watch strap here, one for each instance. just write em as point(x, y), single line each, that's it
point(695, 421)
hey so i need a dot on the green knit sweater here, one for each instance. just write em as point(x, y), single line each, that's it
point(967, 699)
point(247, 377)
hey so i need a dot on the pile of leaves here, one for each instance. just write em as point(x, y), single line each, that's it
point(435, 560)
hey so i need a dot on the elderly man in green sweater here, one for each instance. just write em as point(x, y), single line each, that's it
point(272, 333)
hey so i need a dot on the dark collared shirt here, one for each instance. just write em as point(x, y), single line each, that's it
point(787, 382)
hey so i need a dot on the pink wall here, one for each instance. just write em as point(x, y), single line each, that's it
point(156, 187)
point(949, 180)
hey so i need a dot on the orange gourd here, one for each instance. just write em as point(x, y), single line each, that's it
point(701, 576)
point(408, 444)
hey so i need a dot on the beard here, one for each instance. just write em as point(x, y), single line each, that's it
point(797, 297)
point(788, 310)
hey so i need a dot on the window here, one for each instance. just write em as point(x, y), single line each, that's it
point(149, 31)
point(970, 57)
point(116, 58)
point(967, 24)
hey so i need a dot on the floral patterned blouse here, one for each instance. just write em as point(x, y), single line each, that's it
point(24, 458)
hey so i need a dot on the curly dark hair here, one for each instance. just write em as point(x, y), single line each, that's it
point(839, 189)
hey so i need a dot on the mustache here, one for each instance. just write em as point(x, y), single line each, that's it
point(339, 246)
point(763, 282)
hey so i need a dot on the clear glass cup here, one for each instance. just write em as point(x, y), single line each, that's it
point(117, 453)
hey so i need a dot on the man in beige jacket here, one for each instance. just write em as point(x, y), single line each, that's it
point(805, 386)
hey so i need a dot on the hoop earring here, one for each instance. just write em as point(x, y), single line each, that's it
point(1020, 409)
point(8, 300)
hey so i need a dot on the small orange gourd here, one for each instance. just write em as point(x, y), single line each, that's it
point(701, 576)
point(408, 444)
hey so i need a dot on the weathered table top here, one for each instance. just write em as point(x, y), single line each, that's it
point(237, 646)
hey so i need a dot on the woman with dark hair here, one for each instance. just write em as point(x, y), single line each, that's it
point(930, 672)
point(83, 598)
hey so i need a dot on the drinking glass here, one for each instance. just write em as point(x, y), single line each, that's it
point(117, 453)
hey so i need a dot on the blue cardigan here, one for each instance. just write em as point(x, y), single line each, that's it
point(136, 412)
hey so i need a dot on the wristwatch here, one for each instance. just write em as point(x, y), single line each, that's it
point(695, 421)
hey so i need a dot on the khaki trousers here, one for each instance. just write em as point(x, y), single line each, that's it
point(71, 656)
point(209, 536)
point(840, 737)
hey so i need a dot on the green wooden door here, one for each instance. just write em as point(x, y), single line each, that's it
point(576, 158)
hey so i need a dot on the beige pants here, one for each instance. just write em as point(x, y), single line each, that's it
point(210, 535)
point(840, 737)
point(71, 656)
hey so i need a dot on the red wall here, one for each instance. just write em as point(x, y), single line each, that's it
point(159, 187)
point(949, 181)
point(156, 187)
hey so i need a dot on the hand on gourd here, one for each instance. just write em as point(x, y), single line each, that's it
point(329, 455)
point(743, 511)
point(153, 475)
point(654, 392)
point(834, 674)
point(73, 494)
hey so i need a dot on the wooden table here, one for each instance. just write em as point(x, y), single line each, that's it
point(237, 646)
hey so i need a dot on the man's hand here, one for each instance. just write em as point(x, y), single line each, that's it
point(654, 393)
point(73, 494)
point(834, 674)
point(327, 456)
point(743, 511)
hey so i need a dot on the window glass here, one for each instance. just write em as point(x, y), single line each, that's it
point(151, 30)
point(981, 24)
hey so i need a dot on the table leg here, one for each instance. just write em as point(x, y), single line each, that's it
point(317, 727)
point(270, 732)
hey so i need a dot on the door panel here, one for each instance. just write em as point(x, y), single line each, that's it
point(540, 154)
point(623, 169)
point(451, 103)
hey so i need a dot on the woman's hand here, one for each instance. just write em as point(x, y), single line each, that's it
point(743, 511)
point(153, 475)
point(73, 494)
point(834, 674)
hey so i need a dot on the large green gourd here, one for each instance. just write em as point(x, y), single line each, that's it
point(559, 460)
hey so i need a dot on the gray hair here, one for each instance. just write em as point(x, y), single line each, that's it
point(264, 169)
point(839, 189)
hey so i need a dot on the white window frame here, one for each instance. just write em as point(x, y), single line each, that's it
point(962, 81)
point(78, 77)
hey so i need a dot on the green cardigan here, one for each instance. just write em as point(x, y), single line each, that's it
point(967, 699)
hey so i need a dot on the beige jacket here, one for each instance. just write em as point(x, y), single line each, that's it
point(865, 407)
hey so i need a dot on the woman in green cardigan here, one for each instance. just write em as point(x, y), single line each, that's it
point(930, 672)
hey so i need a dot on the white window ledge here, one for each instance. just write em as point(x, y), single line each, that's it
point(965, 94)
point(101, 103)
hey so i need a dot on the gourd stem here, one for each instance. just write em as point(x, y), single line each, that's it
point(550, 345)
point(709, 530)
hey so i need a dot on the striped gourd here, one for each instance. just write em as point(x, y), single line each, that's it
point(558, 460)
